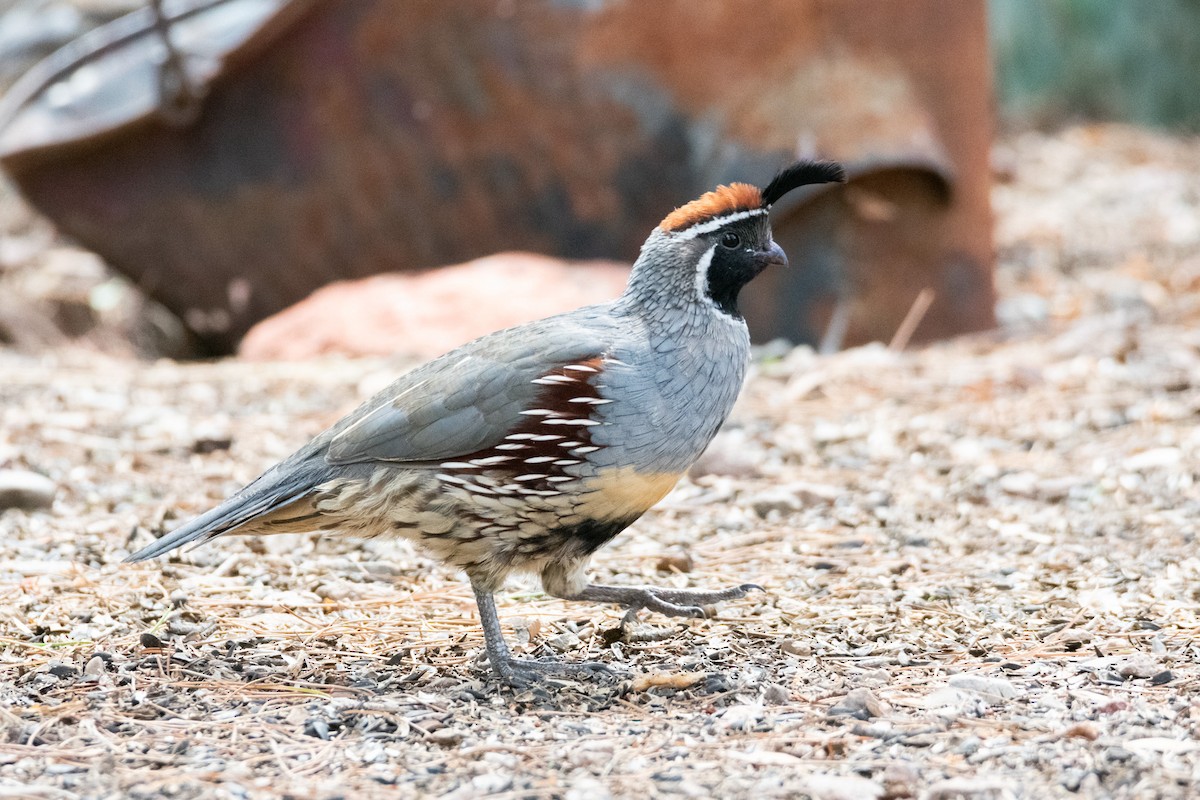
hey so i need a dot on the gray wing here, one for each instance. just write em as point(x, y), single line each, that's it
point(464, 401)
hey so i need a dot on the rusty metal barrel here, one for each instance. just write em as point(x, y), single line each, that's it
point(231, 156)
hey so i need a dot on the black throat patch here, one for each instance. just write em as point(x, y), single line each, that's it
point(728, 272)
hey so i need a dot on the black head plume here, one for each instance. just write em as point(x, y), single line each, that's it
point(802, 173)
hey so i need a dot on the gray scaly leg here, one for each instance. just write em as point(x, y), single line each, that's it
point(519, 671)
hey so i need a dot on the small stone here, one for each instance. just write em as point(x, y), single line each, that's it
point(1139, 667)
point(1162, 678)
point(779, 500)
point(317, 727)
point(953, 703)
point(677, 562)
point(211, 444)
point(1082, 730)
point(795, 648)
point(1021, 484)
point(899, 781)
point(991, 689)
point(25, 490)
point(1075, 636)
point(965, 789)
point(446, 737)
point(60, 670)
point(1052, 490)
point(1155, 458)
point(815, 494)
point(841, 787)
point(968, 746)
point(585, 787)
point(492, 783)
point(562, 642)
point(94, 667)
point(860, 704)
point(150, 641)
point(336, 590)
point(776, 695)
point(1072, 779)
point(742, 717)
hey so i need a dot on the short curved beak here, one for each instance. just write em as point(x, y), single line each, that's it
point(774, 256)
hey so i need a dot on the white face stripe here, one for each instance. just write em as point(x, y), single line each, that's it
point(702, 275)
point(702, 286)
point(713, 224)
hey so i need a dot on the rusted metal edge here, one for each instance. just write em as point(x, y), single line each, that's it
point(21, 147)
point(939, 170)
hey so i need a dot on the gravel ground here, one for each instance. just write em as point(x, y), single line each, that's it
point(979, 560)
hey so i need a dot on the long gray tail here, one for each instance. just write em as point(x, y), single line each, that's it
point(261, 497)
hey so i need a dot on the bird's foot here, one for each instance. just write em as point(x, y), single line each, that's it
point(668, 602)
point(522, 672)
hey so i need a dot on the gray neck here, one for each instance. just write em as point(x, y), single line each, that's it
point(662, 293)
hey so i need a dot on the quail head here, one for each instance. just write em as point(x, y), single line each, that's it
point(528, 449)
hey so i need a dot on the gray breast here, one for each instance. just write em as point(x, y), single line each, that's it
point(669, 402)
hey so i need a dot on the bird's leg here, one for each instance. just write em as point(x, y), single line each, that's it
point(669, 602)
point(519, 671)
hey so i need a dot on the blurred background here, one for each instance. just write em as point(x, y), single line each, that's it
point(288, 178)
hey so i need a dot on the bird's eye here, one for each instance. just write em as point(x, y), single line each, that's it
point(731, 240)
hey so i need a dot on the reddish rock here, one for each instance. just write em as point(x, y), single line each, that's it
point(426, 314)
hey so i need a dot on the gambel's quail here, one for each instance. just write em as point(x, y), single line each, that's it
point(528, 449)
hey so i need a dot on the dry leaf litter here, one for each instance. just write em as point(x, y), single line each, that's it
point(980, 562)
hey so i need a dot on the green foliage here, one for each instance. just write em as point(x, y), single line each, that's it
point(1125, 60)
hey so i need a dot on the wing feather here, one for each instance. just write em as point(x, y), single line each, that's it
point(456, 405)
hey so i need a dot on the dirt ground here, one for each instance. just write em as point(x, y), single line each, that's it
point(980, 563)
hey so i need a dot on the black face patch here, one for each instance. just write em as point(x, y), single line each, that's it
point(741, 252)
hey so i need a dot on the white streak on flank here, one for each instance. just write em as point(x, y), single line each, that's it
point(592, 401)
point(579, 451)
point(441, 476)
point(571, 421)
point(615, 361)
point(539, 459)
point(458, 465)
point(546, 437)
point(715, 223)
point(559, 478)
point(538, 412)
point(512, 446)
point(518, 436)
point(580, 368)
point(569, 444)
point(530, 477)
point(553, 380)
point(491, 460)
point(474, 487)
point(567, 462)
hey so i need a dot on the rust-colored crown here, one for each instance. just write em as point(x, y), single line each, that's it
point(726, 200)
point(717, 203)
